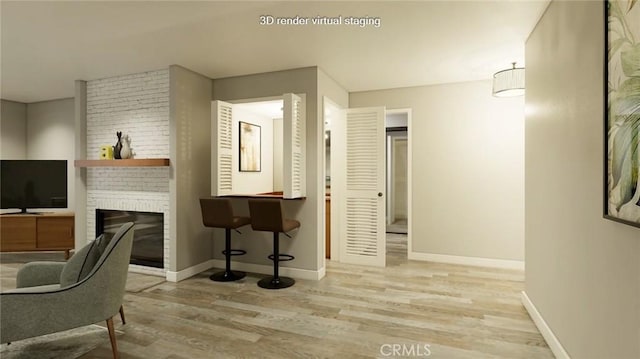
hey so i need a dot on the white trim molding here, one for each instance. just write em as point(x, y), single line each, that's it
point(470, 261)
point(547, 334)
point(246, 267)
point(190, 271)
point(158, 272)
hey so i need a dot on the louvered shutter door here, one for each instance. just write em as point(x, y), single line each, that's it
point(363, 208)
point(294, 177)
point(221, 150)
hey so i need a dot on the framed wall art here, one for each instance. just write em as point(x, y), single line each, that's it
point(250, 155)
point(622, 112)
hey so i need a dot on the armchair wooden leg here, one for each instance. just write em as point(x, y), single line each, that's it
point(112, 337)
point(122, 315)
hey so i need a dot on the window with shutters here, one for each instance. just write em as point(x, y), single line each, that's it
point(280, 147)
point(221, 148)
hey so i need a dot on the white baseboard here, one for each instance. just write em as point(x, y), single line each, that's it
point(267, 269)
point(322, 272)
point(246, 267)
point(547, 334)
point(190, 271)
point(470, 261)
point(159, 272)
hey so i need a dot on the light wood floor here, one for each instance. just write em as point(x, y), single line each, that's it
point(354, 312)
point(399, 226)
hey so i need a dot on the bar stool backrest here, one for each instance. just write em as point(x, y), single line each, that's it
point(266, 215)
point(217, 212)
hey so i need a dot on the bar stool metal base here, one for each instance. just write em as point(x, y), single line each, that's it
point(275, 283)
point(227, 276)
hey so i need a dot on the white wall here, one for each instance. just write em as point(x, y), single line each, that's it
point(468, 168)
point(253, 182)
point(583, 272)
point(51, 136)
point(13, 130)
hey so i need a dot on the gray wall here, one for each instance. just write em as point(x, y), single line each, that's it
point(40, 131)
point(583, 272)
point(13, 130)
point(190, 156)
point(304, 245)
point(51, 136)
point(80, 173)
point(467, 184)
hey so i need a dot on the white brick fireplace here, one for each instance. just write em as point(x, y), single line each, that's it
point(137, 105)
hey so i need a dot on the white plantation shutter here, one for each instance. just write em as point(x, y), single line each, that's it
point(221, 150)
point(294, 177)
point(363, 208)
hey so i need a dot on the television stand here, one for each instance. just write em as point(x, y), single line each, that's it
point(27, 232)
point(22, 213)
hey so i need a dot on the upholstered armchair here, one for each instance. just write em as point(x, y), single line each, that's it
point(52, 297)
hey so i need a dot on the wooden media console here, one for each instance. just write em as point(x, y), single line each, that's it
point(37, 232)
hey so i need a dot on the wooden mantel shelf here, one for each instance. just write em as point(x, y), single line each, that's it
point(142, 162)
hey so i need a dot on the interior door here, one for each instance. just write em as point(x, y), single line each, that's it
point(363, 238)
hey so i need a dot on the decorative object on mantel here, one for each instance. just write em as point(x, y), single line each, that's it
point(125, 152)
point(106, 152)
point(118, 147)
point(622, 113)
point(509, 83)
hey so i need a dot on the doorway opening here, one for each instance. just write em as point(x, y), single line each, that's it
point(397, 145)
point(341, 228)
point(397, 181)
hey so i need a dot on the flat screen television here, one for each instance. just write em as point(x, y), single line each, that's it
point(26, 184)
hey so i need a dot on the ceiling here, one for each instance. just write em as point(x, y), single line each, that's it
point(45, 46)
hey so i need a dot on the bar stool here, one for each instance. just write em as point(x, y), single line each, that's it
point(266, 215)
point(218, 213)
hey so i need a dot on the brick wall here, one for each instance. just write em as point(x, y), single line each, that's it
point(137, 105)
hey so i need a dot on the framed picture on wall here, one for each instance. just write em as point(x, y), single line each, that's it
point(249, 147)
point(622, 112)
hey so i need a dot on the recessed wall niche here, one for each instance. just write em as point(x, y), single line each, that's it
point(268, 116)
point(282, 146)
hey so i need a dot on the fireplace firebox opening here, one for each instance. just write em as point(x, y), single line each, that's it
point(148, 235)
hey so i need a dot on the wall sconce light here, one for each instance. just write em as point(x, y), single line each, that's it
point(509, 83)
